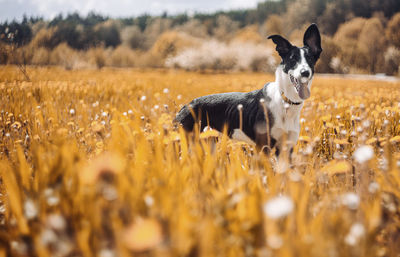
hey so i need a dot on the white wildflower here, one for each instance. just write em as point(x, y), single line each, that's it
point(149, 200)
point(264, 180)
point(308, 150)
point(274, 241)
point(282, 166)
point(373, 187)
point(125, 113)
point(236, 198)
point(363, 154)
point(179, 97)
point(278, 207)
point(110, 193)
point(143, 98)
point(56, 221)
point(130, 111)
point(48, 236)
point(30, 209)
point(366, 123)
point(207, 128)
point(166, 91)
point(351, 200)
point(295, 176)
point(383, 162)
point(53, 200)
point(355, 234)
point(2, 209)
point(72, 111)
point(106, 253)
point(64, 248)
point(19, 247)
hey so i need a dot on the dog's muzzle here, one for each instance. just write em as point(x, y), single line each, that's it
point(301, 88)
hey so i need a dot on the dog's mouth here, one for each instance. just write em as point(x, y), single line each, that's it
point(301, 88)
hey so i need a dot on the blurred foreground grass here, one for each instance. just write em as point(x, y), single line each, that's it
point(91, 165)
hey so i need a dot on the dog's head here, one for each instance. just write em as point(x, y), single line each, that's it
point(298, 63)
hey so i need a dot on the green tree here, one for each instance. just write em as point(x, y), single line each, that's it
point(107, 33)
point(334, 14)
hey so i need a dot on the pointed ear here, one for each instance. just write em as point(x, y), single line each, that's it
point(312, 39)
point(282, 45)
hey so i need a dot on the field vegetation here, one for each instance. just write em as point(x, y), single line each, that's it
point(91, 164)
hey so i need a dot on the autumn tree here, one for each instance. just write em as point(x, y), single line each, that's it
point(371, 42)
point(274, 25)
point(225, 27)
point(393, 30)
point(347, 38)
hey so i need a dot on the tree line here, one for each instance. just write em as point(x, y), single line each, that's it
point(141, 33)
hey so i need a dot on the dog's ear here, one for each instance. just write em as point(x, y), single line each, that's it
point(282, 45)
point(312, 39)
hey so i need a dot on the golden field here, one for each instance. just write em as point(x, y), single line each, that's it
point(92, 165)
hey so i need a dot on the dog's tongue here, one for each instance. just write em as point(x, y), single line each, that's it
point(304, 92)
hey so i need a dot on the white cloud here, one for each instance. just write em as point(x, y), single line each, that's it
point(118, 8)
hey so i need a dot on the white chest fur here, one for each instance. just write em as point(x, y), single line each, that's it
point(286, 117)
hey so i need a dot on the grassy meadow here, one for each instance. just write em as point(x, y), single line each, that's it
point(91, 164)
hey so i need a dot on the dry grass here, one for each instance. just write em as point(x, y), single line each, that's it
point(91, 165)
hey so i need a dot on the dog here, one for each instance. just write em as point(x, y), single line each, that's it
point(270, 116)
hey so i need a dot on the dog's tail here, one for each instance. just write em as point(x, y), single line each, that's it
point(185, 118)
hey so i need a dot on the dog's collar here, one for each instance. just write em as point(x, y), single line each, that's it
point(288, 101)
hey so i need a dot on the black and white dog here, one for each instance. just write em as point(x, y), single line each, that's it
point(269, 116)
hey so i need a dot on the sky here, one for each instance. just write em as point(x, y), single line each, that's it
point(15, 9)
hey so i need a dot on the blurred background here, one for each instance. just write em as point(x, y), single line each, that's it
point(360, 37)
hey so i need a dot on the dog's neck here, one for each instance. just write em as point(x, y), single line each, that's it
point(288, 101)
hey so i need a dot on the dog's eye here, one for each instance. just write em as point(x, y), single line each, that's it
point(292, 61)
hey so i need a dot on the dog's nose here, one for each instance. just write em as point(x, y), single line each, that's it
point(305, 73)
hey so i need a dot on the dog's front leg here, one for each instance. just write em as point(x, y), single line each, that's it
point(285, 143)
point(291, 141)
